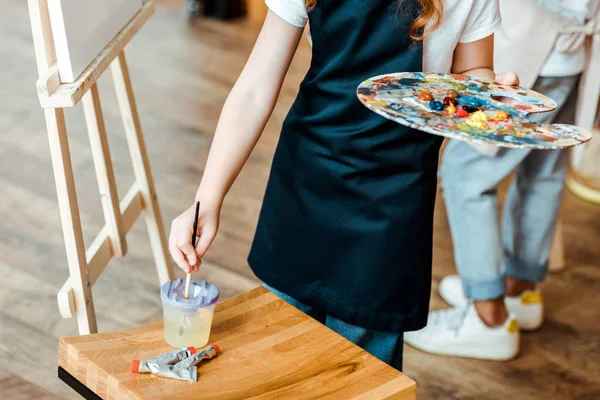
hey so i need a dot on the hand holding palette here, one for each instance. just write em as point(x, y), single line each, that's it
point(466, 108)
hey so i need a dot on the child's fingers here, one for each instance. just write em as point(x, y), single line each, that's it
point(178, 257)
point(175, 250)
point(187, 249)
point(196, 267)
point(507, 78)
point(206, 238)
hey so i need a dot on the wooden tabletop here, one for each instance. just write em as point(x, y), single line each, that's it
point(269, 350)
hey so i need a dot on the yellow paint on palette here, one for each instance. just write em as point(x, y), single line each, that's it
point(478, 120)
point(395, 96)
point(529, 298)
point(474, 131)
point(513, 326)
point(434, 77)
point(451, 109)
point(377, 103)
point(500, 114)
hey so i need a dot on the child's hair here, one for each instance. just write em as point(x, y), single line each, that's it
point(427, 21)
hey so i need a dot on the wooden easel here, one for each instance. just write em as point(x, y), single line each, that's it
point(85, 267)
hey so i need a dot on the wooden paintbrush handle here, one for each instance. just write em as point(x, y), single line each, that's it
point(188, 281)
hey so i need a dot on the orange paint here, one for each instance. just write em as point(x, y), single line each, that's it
point(425, 96)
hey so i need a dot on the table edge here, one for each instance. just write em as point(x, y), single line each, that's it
point(76, 385)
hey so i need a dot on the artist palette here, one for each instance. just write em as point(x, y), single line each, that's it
point(501, 118)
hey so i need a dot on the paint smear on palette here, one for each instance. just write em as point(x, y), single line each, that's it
point(396, 97)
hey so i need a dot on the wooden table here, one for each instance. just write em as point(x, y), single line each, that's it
point(269, 350)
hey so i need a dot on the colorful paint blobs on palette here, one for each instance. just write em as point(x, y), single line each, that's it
point(478, 120)
point(425, 96)
point(436, 105)
point(482, 117)
point(470, 109)
point(451, 109)
point(461, 113)
point(500, 115)
point(450, 100)
point(469, 101)
point(453, 94)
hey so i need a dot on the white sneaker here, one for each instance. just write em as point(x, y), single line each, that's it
point(527, 308)
point(460, 332)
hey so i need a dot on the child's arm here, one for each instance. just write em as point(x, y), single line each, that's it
point(243, 118)
point(477, 59)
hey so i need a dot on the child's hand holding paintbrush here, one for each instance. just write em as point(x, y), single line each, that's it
point(188, 278)
point(201, 225)
point(193, 261)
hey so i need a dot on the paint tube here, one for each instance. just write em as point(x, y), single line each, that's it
point(204, 354)
point(169, 358)
point(186, 370)
point(169, 371)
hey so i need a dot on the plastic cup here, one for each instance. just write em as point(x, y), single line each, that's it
point(188, 321)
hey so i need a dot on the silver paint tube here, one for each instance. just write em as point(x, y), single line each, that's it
point(169, 371)
point(186, 370)
point(169, 358)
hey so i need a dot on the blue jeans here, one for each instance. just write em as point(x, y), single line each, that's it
point(484, 255)
point(386, 346)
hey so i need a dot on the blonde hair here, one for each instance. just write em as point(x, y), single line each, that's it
point(428, 20)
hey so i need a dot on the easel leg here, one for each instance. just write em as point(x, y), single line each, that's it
point(141, 165)
point(71, 223)
point(104, 171)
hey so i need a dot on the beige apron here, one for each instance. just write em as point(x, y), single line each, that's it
point(526, 38)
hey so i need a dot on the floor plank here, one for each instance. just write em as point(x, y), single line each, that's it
point(13, 387)
point(182, 75)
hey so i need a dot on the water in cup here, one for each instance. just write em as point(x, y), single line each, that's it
point(188, 321)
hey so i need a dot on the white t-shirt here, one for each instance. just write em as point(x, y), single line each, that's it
point(463, 21)
point(567, 64)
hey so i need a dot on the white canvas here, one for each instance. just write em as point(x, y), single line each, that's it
point(82, 28)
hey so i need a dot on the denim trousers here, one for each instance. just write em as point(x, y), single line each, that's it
point(386, 346)
point(485, 252)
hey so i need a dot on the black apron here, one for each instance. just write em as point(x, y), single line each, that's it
point(347, 219)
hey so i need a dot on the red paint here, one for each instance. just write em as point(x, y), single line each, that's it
point(448, 100)
point(461, 113)
point(460, 77)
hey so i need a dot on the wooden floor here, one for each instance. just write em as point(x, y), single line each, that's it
point(182, 76)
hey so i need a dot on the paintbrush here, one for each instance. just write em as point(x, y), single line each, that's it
point(188, 277)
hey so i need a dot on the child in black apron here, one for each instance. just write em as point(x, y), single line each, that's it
point(345, 230)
